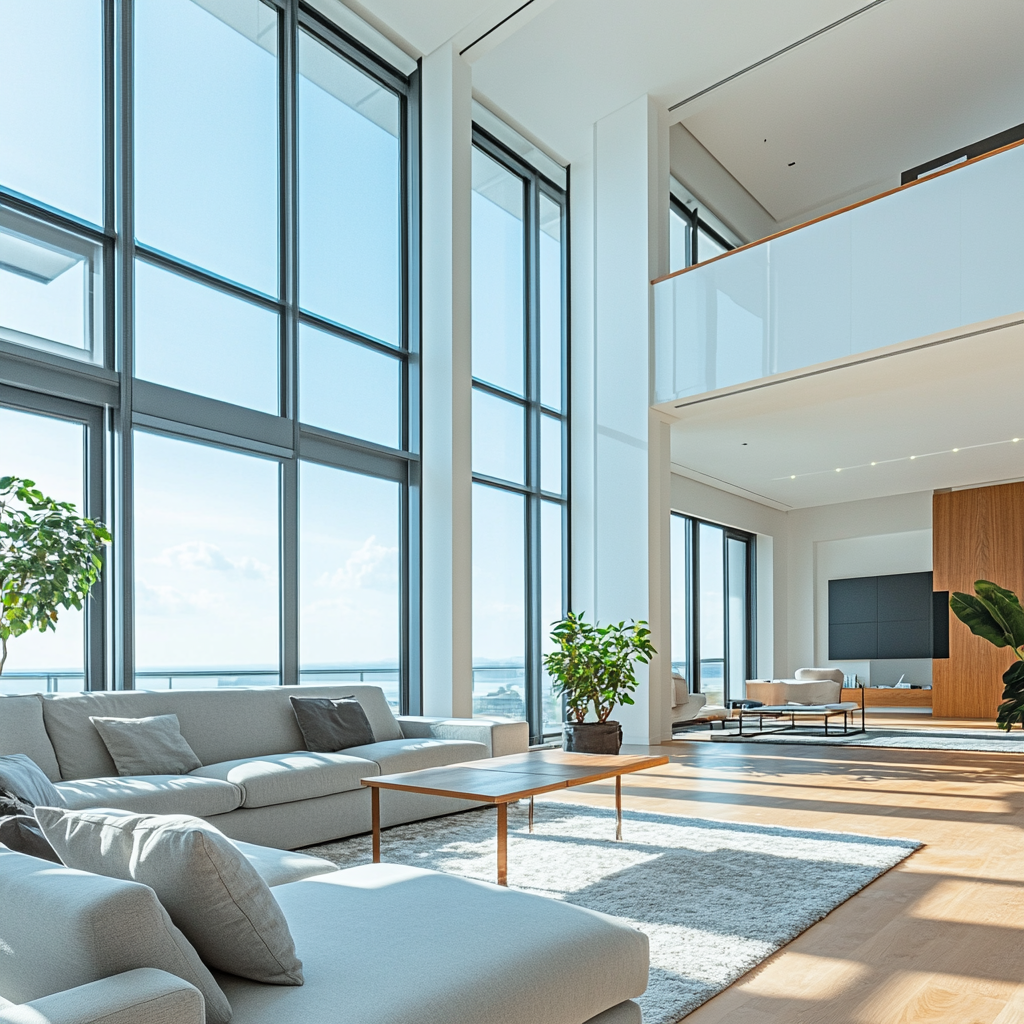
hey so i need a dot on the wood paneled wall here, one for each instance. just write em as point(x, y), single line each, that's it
point(977, 534)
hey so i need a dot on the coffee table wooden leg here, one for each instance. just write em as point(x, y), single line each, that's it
point(502, 844)
point(375, 816)
point(618, 806)
point(531, 813)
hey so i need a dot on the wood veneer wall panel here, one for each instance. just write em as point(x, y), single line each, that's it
point(976, 534)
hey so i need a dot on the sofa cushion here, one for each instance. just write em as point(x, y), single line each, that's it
point(22, 732)
point(283, 778)
point(329, 725)
point(61, 928)
point(24, 785)
point(451, 950)
point(277, 867)
point(409, 755)
point(146, 746)
point(212, 892)
point(225, 724)
point(154, 794)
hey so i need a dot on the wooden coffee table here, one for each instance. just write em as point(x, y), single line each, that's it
point(500, 780)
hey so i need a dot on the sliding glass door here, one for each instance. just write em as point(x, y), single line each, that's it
point(712, 607)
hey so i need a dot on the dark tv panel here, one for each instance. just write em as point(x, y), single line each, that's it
point(880, 617)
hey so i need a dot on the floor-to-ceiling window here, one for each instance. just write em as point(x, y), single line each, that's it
point(520, 427)
point(206, 308)
point(712, 579)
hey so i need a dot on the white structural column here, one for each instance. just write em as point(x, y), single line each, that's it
point(622, 472)
point(447, 519)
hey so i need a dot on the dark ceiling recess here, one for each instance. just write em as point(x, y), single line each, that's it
point(967, 153)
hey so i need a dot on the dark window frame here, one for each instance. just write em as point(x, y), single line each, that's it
point(697, 224)
point(535, 185)
point(692, 601)
point(117, 403)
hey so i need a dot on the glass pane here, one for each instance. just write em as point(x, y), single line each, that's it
point(206, 566)
point(206, 155)
point(680, 575)
point(498, 255)
point(707, 247)
point(349, 388)
point(712, 612)
point(349, 194)
point(551, 606)
point(550, 454)
point(51, 103)
point(51, 452)
point(678, 241)
point(551, 303)
point(50, 287)
point(349, 601)
point(737, 554)
point(199, 339)
point(499, 445)
point(499, 603)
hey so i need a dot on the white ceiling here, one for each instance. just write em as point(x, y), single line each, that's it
point(898, 85)
point(923, 404)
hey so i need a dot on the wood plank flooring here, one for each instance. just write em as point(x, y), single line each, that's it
point(940, 938)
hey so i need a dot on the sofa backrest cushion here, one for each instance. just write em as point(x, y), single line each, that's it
point(22, 732)
point(226, 724)
point(812, 674)
point(62, 928)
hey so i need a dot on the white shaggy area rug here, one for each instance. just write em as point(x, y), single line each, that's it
point(715, 898)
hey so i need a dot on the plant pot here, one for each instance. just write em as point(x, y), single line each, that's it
point(592, 737)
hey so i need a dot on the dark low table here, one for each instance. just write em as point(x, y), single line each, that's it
point(502, 780)
point(795, 717)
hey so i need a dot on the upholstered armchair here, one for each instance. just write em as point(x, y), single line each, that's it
point(692, 707)
point(811, 686)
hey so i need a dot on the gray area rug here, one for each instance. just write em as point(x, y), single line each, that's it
point(994, 742)
point(715, 898)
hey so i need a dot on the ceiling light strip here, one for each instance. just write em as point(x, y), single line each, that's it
point(770, 57)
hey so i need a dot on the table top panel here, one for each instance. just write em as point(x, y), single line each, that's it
point(498, 779)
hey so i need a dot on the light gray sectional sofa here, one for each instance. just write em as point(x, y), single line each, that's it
point(258, 783)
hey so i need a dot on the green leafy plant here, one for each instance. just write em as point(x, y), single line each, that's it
point(996, 615)
point(49, 558)
point(594, 666)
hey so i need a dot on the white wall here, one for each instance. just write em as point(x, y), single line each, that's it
point(801, 550)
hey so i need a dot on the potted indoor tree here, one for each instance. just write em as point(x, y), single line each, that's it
point(594, 667)
point(996, 615)
point(49, 558)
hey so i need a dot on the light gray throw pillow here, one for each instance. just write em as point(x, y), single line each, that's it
point(147, 746)
point(24, 785)
point(212, 892)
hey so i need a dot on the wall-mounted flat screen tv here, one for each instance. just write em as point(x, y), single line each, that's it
point(878, 617)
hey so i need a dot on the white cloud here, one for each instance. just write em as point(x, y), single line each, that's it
point(371, 566)
point(199, 554)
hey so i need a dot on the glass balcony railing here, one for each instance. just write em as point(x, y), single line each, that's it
point(931, 257)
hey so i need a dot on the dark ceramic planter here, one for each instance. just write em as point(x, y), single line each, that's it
point(592, 737)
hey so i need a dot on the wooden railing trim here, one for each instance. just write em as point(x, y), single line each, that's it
point(845, 209)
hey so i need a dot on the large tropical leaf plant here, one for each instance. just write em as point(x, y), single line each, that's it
point(996, 615)
point(49, 558)
point(595, 666)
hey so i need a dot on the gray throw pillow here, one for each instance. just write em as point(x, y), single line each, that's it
point(147, 746)
point(24, 785)
point(212, 892)
point(331, 724)
point(22, 834)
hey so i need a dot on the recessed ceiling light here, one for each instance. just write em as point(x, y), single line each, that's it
point(839, 471)
point(956, 449)
point(793, 477)
point(1016, 439)
point(874, 463)
point(913, 457)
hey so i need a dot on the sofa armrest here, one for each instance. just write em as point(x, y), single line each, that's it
point(143, 996)
point(501, 736)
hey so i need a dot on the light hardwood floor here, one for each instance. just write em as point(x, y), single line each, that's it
point(940, 938)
